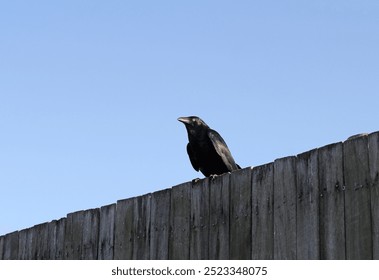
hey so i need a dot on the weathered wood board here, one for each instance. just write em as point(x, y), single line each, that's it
point(240, 214)
point(307, 207)
point(357, 199)
point(219, 221)
point(373, 145)
point(160, 224)
point(285, 208)
point(180, 216)
point(332, 202)
point(107, 232)
point(124, 230)
point(199, 241)
point(263, 212)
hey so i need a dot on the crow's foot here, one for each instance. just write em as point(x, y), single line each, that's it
point(213, 176)
point(194, 181)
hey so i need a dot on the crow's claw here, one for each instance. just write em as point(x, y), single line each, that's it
point(194, 181)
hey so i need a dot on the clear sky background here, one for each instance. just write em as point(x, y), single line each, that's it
point(90, 91)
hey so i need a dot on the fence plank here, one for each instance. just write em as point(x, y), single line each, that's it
point(40, 249)
point(285, 208)
point(90, 234)
point(141, 224)
point(357, 199)
point(107, 232)
point(262, 212)
point(332, 209)
point(219, 217)
point(373, 141)
point(52, 239)
point(60, 239)
point(240, 212)
point(199, 241)
point(10, 248)
point(56, 229)
point(25, 238)
point(307, 208)
point(73, 236)
point(124, 231)
point(160, 224)
point(180, 212)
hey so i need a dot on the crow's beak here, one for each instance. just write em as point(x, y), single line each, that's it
point(184, 120)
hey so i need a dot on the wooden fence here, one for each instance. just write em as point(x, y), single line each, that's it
point(322, 204)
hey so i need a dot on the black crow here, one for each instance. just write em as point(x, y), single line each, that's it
point(206, 149)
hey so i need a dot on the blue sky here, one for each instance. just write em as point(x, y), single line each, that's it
point(90, 91)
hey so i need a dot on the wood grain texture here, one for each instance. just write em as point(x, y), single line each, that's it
point(90, 237)
point(263, 212)
point(373, 144)
point(307, 208)
point(25, 239)
point(332, 202)
point(160, 224)
point(40, 244)
point(240, 213)
point(107, 232)
point(10, 247)
point(141, 225)
point(180, 215)
point(124, 230)
point(285, 208)
point(73, 236)
point(56, 231)
point(357, 199)
point(52, 240)
point(219, 221)
point(199, 237)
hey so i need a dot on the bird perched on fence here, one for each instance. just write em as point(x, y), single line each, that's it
point(206, 149)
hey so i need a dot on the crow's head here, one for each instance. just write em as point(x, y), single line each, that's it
point(195, 126)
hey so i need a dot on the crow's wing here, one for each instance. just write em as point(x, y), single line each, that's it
point(192, 157)
point(222, 149)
